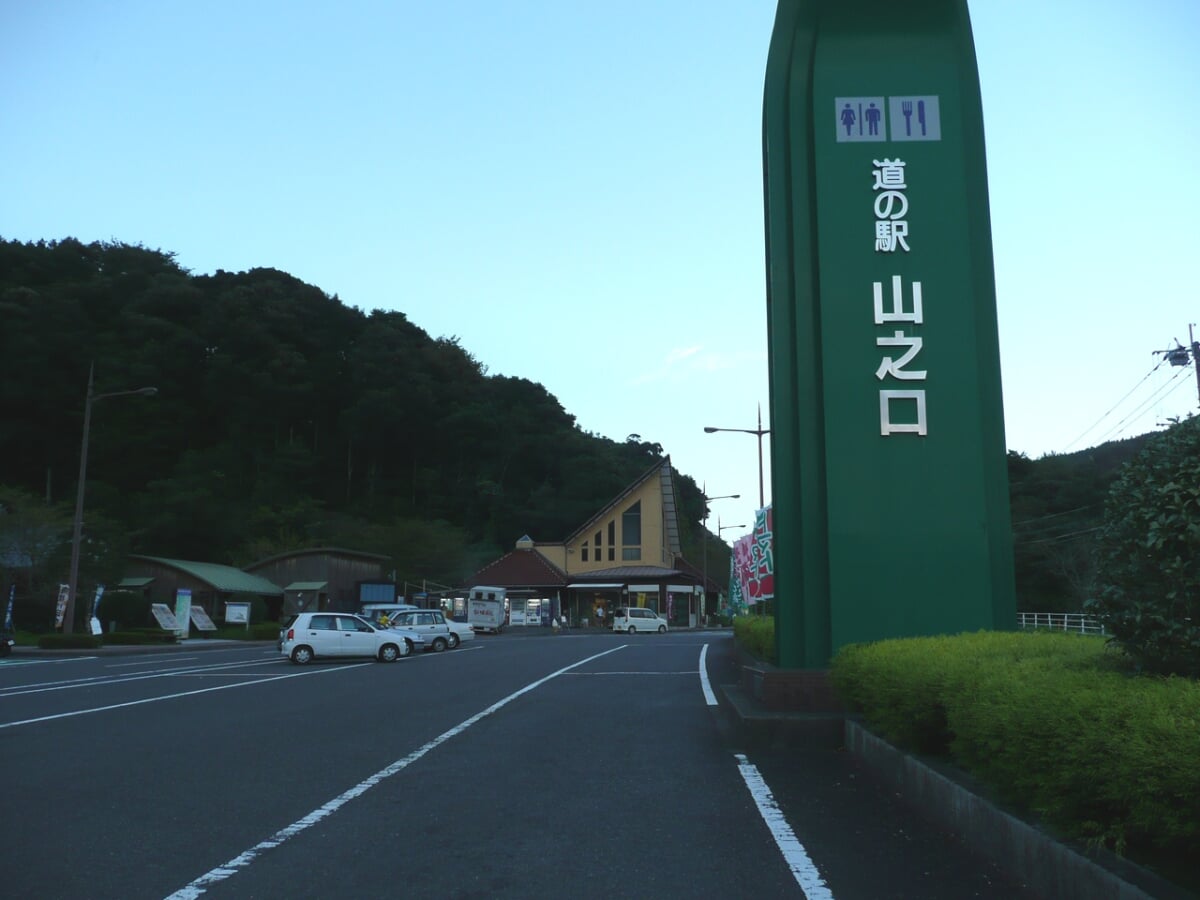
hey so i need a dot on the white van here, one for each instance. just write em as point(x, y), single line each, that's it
point(636, 618)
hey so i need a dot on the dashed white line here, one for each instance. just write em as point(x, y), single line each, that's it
point(794, 854)
point(709, 697)
point(242, 860)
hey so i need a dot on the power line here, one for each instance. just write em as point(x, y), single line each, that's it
point(1055, 515)
point(1152, 398)
point(1115, 405)
point(1060, 537)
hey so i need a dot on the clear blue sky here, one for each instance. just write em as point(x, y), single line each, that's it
point(575, 189)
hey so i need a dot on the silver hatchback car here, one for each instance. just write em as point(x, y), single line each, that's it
point(319, 635)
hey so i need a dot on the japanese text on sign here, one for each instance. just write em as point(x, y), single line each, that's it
point(900, 348)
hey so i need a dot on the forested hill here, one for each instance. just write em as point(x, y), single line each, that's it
point(284, 418)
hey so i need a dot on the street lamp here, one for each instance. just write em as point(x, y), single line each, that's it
point(73, 581)
point(721, 527)
point(706, 498)
point(759, 432)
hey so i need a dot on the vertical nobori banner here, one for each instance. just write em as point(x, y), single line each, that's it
point(890, 484)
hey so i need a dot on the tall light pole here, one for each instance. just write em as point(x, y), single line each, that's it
point(759, 432)
point(73, 581)
point(706, 498)
point(721, 527)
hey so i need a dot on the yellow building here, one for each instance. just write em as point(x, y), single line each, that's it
point(628, 553)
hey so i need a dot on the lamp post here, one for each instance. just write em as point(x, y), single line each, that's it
point(721, 527)
point(73, 581)
point(759, 432)
point(707, 499)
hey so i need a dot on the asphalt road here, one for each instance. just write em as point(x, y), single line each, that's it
point(577, 765)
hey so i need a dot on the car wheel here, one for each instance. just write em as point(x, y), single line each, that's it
point(439, 644)
point(302, 655)
point(662, 629)
point(453, 639)
point(389, 653)
point(633, 629)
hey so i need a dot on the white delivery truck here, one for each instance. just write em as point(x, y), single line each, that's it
point(486, 608)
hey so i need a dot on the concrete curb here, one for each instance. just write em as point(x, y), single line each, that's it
point(1050, 867)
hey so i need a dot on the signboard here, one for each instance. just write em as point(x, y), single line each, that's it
point(60, 608)
point(183, 609)
point(237, 612)
point(890, 487)
point(94, 623)
point(201, 620)
point(163, 615)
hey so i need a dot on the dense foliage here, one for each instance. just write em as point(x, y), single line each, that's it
point(1050, 722)
point(284, 419)
point(1149, 559)
point(1057, 513)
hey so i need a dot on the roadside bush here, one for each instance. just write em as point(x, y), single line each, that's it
point(1149, 555)
point(1051, 722)
point(68, 642)
point(756, 635)
point(144, 636)
point(129, 609)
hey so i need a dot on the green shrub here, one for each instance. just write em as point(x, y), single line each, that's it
point(756, 635)
point(129, 609)
point(1050, 721)
point(142, 636)
point(68, 642)
point(1149, 555)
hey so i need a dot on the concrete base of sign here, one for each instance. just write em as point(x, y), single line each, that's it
point(788, 690)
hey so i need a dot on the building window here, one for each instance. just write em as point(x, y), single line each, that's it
point(598, 542)
point(583, 553)
point(631, 553)
point(612, 533)
point(631, 526)
point(612, 554)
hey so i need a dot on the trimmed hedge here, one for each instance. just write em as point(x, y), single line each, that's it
point(1050, 721)
point(139, 637)
point(756, 635)
point(69, 642)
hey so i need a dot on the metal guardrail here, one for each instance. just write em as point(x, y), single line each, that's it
point(1075, 622)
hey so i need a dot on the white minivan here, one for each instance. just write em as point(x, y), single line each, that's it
point(636, 618)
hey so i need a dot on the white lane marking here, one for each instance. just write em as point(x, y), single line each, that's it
point(242, 860)
point(223, 687)
point(97, 680)
point(794, 854)
point(149, 662)
point(601, 674)
point(709, 697)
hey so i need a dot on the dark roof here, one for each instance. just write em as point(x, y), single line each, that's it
point(521, 568)
point(225, 579)
point(688, 569)
point(628, 573)
point(315, 551)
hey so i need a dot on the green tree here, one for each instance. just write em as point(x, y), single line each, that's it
point(1149, 554)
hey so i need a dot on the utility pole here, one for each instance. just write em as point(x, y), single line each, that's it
point(1181, 356)
point(1195, 357)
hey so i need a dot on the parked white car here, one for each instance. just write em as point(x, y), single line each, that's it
point(320, 635)
point(635, 618)
point(439, 632)
point(459, 632)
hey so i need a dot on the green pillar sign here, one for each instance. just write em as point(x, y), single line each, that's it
point(890, 488)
